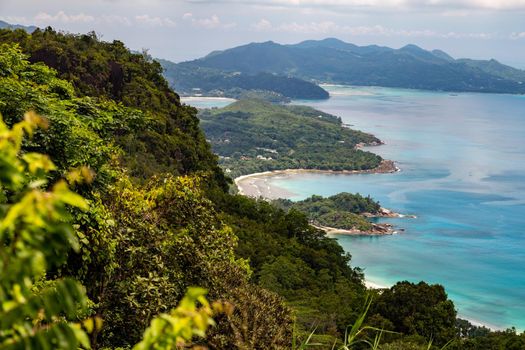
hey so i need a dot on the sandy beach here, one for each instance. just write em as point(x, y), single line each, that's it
point(190, 99)
point(256, 185)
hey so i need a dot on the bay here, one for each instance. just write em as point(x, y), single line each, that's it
point(201, 102)
point(463, 175)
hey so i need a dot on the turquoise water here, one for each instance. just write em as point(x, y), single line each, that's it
point(463, 174)
point(207, 102)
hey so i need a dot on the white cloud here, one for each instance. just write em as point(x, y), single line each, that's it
point(155, 21)
point(115, 19)
point(456, 13)
point(385, 4)
point(16, 20)
point(515, 35)
point(210, 23)
point(262, 26)
point(329, 27)
point(63, 17)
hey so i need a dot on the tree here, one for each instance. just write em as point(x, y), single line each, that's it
point(418, 309)
point(34, 237)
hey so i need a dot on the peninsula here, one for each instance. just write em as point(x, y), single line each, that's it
point(253, 136)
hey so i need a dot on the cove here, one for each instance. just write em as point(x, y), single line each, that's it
point(463, 175)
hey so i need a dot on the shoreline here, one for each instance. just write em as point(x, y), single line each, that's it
point(385, 167)
point(377, 230)
point(369, 283)
point(373, 284)
point(256, 185)
point(242, 183)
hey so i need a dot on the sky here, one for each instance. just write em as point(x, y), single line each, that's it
point(181, 30)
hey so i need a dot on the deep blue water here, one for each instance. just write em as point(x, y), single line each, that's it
point(463, 174)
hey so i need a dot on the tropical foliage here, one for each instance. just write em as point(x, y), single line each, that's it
point(140, 246)
point(36, 312)
point(122, 94)
point(343, 210)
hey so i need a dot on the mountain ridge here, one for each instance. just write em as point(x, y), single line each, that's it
point(5, 25)
point(334, 61)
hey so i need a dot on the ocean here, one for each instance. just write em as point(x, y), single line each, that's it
point(462, 160)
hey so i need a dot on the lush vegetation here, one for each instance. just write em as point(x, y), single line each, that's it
point(37, 310)
point(191, 79)
point(159, 135)
point(343, 210)
point(34, 237)
point(252, 136)
point(335, 61)
point(143, 242)
point(129, 209)
point(297, 261)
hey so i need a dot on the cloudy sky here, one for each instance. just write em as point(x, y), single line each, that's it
point(186, 29)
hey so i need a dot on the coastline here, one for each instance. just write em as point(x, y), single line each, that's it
point(256, 185)
point(186, 99)
point(242, 181)
point(371, 281)
point(374, 284)
point(377, 230)
point(250, 185)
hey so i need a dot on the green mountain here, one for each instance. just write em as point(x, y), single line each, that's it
point(5, 25)
point(334, 61)
point(170, 141)
point(252, 136)
point(496, 68)
point(191, 79)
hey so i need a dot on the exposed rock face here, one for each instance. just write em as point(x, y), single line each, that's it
point(387, 213)
point(386, 166)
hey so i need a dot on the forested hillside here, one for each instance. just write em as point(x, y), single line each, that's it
point(145, 239)
point(192, 79)
point(151, 216)
point(252, 136)
point(342, 211)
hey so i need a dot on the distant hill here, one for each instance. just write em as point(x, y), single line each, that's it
point(335, 61)
point(187, 78)
point(496, 68)
point(5, 25)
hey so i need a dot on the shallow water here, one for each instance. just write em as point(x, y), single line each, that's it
point(207, 102)
point(463, 174)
